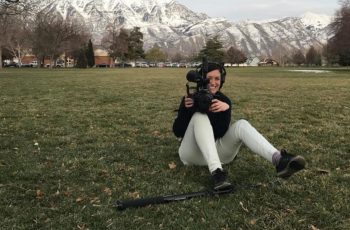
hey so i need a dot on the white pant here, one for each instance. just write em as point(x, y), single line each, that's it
point(198, 147)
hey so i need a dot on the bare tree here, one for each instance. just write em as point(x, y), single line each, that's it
point(178, 57)
point(50, 35)
point(10, 12)
point(235, 56)
point(298, 58)
point(339, 46)
point(17, 41)
point(313, 57)
point(3, 38)
point(73, 47)
point(156, 54)
point(116, 42)
point(281, 53)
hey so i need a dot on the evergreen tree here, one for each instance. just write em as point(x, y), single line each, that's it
point(135, 46)
point(82, 60)
point(311, 56)
point(212, 50)
point(318, 60)
point(90, 56)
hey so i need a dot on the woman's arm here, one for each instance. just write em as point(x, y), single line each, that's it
point(183, 117)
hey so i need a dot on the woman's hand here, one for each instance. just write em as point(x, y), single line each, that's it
point(188, 102)
point(218, 106)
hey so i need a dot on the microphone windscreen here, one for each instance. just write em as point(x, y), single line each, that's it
point(192, 76)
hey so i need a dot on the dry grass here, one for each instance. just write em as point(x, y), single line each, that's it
point(74, 141)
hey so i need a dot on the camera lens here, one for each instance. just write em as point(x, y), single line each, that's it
point(202, 100)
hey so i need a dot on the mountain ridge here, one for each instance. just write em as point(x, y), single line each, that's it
point(176, 28)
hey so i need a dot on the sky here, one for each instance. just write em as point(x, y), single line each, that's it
point(256, 10)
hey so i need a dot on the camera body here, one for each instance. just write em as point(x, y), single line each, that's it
point(200, 94)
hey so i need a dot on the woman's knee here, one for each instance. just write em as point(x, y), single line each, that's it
point(200, 117)
point(241, 123)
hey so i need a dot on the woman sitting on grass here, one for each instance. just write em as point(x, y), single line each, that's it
point(209, 138)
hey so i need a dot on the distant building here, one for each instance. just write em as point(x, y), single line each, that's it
point(102, 58)
point(27, 59)
point(268, 62)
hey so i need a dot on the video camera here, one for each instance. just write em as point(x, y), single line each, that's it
point(199, 93)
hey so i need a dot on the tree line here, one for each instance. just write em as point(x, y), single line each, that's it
point(123, 44)
point(26, 29)
point(337, 49)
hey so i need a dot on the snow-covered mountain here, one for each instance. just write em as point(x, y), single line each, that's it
point(178, 29)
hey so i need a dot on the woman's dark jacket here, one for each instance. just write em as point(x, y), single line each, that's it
point(219, 121)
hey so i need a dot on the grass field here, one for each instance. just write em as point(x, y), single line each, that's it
point(72, 142)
